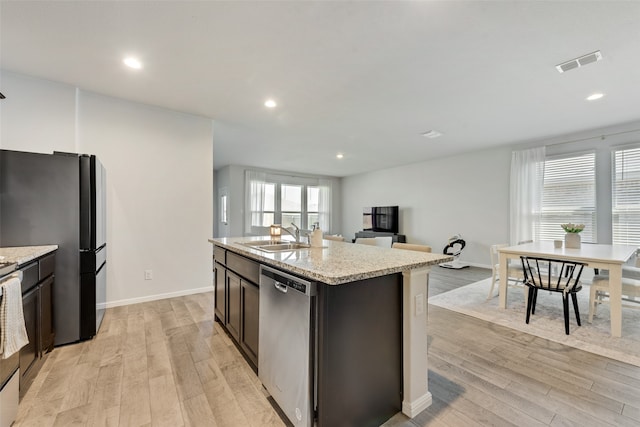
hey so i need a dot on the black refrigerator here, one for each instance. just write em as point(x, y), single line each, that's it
point(60, 199)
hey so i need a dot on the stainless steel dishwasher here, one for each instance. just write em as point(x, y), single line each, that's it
point(287, 342)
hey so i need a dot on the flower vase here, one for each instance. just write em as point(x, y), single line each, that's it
point(572, 240)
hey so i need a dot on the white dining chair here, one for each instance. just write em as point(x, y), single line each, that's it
point(411, 247)
point(383, 242)
point(515, 274)
point(371, 241)
point(599, 292)
point(335, 238)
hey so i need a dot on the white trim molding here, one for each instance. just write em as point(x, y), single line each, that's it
point(156, 297)
point(415, 369)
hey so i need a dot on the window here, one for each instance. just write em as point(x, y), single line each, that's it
point(313, 205)
point(263, 214)
point(291, 205)
point(278, 199)
point(223, 209)
point(569, 195)
point(626, 196)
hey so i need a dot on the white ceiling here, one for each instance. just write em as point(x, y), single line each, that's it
point(360, 78)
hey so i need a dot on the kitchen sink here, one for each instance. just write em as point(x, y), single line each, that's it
point(275, 245)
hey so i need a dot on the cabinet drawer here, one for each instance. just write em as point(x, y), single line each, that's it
point(47, 266)
point(30, 276)
point(219, 254)
point(248, 269)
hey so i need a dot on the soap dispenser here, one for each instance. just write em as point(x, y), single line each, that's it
point(316, 236)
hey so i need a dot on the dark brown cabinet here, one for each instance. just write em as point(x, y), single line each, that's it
point(38, 279)
point(250, 311)
point(237, 300)
point(233, 307)
point(45, 307)
point(220, 284)
point(29, 354)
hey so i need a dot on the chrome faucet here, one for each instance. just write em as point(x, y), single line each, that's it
point(297, 232)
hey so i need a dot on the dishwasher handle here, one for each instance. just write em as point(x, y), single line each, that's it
point(281, 287)
point(285, 282)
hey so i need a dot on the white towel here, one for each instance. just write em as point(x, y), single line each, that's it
point(13, 334)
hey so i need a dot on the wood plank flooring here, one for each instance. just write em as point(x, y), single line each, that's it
point(160, 363)
point(167, 363)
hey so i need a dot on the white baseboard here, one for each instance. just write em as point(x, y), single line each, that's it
point(411, 409)
point(156, 297)
point(476, 264)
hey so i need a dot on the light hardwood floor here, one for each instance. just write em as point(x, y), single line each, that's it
point(160, 363)
point(166, 363)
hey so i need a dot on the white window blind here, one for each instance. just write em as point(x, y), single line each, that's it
point(569, 195)
point(626, 196)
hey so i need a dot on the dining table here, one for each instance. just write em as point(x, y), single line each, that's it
point(594, 255)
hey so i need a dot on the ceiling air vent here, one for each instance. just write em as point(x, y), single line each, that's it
point(579, 62)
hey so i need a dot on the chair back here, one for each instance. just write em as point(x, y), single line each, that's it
point(552, 274)
point(495, 255)
point(411, 247)
point(371, 241)
point(384, 241)
point(332, 237)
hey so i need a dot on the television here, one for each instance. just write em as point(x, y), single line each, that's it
point(381, 218)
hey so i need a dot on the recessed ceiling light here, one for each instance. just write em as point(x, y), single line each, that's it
point(432, 134)
point(595, 96)
point(132, 62)
point(339, 156)
point(270, 103)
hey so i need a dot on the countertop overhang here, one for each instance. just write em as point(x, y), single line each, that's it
point(24, 254)
point(336, 263)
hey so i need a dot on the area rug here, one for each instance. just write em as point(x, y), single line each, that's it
point(548, 322)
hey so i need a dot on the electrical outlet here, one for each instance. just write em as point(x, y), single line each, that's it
point(148, 274)
point(419, 300)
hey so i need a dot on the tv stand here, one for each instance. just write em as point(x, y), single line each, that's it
point(400, 238)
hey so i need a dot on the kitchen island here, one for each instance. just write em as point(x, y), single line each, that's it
point(371, 355)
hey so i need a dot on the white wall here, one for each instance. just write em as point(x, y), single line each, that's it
point(37, 115)
point(466, 194)
point(469, 193)
point(159, 180)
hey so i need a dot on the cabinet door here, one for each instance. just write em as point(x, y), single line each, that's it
point(29, 353)
point(46, 315)
point(233, 307)
point(220, 299)
point(250, 301)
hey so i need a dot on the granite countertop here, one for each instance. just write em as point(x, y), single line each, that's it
point(336, 262)
point(24, 254)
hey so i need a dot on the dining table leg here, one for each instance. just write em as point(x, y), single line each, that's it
point(615, 299)
point(503, 280)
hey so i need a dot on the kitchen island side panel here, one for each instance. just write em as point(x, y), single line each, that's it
point(360, 352)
